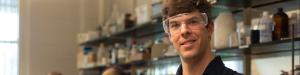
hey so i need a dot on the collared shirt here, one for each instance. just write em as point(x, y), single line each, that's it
point(215, 67)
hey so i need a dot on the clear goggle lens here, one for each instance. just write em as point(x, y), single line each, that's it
point(170, 24)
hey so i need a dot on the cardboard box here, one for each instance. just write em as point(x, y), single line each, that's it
point(158, 50)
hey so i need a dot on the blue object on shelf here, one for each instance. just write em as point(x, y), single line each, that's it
point(87, 49)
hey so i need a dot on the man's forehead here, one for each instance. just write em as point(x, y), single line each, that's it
point(184, 15)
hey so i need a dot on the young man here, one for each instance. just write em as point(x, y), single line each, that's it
point(189, 27)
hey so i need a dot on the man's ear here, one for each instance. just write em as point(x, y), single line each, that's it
point(210, 29)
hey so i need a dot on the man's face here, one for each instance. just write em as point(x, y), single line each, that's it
point(189, 34)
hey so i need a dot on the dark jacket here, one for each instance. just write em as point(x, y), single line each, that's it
point(215, 67)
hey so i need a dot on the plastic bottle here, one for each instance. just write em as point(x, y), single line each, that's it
point(265, 26)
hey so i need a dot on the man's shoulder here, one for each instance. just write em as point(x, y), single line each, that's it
point(217, 67)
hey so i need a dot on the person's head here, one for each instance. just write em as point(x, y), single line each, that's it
point(114, 70)
point(54, 73)
point(188, 25)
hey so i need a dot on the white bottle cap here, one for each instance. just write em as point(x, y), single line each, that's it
point(265, 13)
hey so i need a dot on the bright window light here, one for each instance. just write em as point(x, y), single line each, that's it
point(9, 35)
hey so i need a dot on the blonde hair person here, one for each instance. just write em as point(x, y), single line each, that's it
point(189, 28)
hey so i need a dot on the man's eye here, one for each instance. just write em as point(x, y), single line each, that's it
point(174, 25)
point(192, 22)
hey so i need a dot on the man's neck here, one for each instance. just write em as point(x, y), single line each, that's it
point(198, 65)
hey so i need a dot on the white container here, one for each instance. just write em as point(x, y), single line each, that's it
point(294, 20)
point(143, 13)
point(225, 25)
point(265, 26)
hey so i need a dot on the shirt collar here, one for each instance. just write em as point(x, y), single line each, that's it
point(215, 65)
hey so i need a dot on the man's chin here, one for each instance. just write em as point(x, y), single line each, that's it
point(188, 55)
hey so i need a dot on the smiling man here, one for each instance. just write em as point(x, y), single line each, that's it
point(189, 27)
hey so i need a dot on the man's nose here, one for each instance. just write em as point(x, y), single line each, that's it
point(184, 30)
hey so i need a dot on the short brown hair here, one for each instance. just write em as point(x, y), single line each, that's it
point(174, 7)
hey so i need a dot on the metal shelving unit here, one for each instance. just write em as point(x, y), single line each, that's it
point(246, 53)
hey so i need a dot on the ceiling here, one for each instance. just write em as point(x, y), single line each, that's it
point(236, 6)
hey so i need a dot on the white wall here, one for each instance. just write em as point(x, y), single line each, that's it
point(48, 36)
point(273, 65)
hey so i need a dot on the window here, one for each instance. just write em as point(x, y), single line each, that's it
point(9, 37)
point(236, 65)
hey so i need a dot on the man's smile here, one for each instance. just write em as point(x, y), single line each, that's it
point(187, 43)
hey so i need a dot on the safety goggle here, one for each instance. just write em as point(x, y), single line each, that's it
point(170, 24)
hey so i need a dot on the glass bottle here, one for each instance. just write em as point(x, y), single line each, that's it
point(281, 29)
